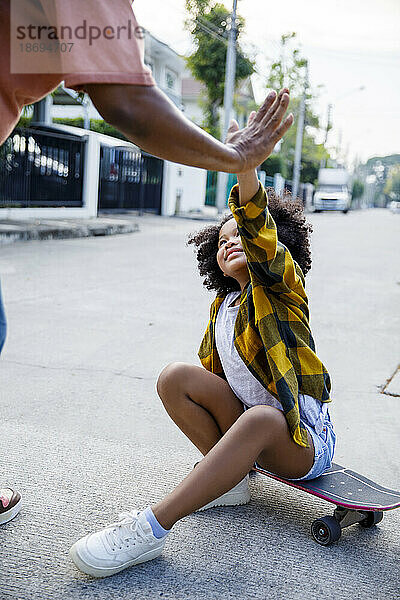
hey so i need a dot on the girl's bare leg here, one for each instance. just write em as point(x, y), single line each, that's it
point(199, 402)
point(260, 434)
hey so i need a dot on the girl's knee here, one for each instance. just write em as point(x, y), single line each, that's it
point(171, 378)
point(264, 419)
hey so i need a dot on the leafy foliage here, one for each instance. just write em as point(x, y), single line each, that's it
point(209, 24)
point(357, 190)
point(290, 71)
point(392, 187)
point(379, 171)
point(97, 125)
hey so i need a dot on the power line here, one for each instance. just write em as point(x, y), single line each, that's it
point(225, 41)
point(213, 34)
point(212, 26)
point(210, 29)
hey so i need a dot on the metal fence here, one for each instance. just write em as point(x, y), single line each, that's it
point(211, 187)
point(41, 169)
point(129, 180)
point(301, 192)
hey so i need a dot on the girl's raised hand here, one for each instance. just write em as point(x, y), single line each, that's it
point(265, 128)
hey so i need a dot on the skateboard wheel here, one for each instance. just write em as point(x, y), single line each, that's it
point(373, 518)
point(325, 531)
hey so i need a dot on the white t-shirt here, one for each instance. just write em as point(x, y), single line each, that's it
point(242, 382)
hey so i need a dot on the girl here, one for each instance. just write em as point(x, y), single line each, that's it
point(263, 394)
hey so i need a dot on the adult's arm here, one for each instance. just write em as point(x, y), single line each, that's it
point(147, 117)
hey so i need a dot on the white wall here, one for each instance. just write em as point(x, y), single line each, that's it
point(162, 60)
point(90, 180)
point(71, 111)
point(89, 192)
point(193, 111)
point(173, 67)
point(184, 188)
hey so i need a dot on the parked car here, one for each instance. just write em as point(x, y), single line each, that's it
point(395, 206)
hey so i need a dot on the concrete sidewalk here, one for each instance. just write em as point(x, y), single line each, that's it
point(50, 229)
point(83, 434)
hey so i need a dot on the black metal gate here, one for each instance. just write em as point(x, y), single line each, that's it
point(41, 169)
point(129, 180)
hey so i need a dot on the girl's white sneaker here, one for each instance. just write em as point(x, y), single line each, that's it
point(128, 542)
point(240, 494)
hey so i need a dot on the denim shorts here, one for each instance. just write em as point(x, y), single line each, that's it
point(3, 325)
point(324, 448)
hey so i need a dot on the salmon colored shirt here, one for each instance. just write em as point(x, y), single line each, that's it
point(105, 60)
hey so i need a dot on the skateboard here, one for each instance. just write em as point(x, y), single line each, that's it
point(357, 499)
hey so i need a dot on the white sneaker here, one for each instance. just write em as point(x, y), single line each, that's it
point(118, 546)
point(10, 504)
point(240, 494)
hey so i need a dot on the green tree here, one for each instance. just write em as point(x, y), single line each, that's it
point(392, 187)
point(273, 165)
point(290, 71)
point(357, 189)
point(209, 24)
point(381, 168)
point(356, 192)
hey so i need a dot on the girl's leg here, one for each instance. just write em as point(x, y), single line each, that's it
point(199, 402)
point(260, 434)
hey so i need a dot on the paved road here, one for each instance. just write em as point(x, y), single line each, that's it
point(83, 434)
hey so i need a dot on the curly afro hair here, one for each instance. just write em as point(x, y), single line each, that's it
point(292, 228)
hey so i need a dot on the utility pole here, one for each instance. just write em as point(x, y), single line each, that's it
point(299, 139)
point(322, 163)
point(230, 70)
point(328, 123)
point(339, 145)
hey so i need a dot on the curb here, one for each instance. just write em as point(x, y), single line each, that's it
point(51, 230)
point(197, 217)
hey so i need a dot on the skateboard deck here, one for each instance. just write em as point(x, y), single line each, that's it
point(357, 500)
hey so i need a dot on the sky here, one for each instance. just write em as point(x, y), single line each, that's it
point(349, 44)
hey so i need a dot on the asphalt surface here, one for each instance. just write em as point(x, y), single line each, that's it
point(83, 434)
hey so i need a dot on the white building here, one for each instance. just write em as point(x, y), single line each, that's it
point(183, 188)
point(167, 67)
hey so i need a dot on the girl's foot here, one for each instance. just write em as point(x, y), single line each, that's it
point(10, 504)
point(240, 494)
point(123, 544)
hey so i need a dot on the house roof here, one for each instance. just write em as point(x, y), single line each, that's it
point(155, 40)
point(192, 87)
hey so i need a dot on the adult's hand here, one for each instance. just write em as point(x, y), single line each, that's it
point(265, 128)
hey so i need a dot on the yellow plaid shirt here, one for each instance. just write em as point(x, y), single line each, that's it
point(272, 334)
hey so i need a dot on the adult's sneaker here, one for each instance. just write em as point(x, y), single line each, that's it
point(128, 542)
point(10, 504)
point(240, 494)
